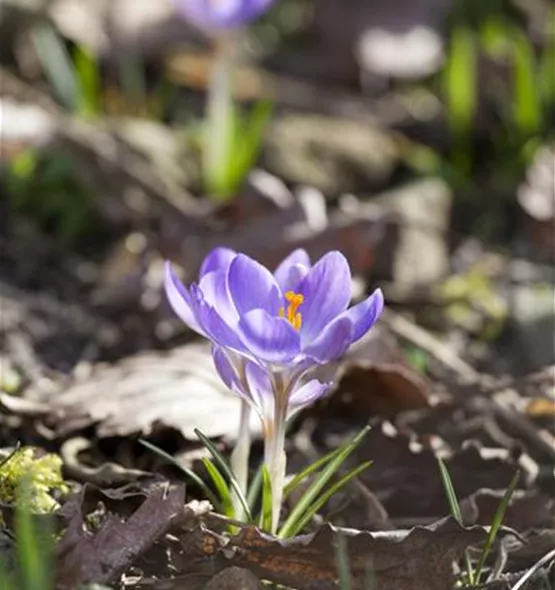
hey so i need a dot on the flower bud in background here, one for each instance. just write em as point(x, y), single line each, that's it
point(221, 14)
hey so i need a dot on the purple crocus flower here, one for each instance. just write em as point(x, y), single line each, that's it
point(257, 387)
point(269, 329)
point(221, 14)
point(296, 317)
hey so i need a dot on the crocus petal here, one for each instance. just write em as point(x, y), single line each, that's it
point(269, 338)
point(365, 314)
point(212, 14)
point(260, 390)
point(292, 270)
point(226, 370)
point(308, 393)
point(215, 292)
point(180, 300)
point(252, 286)
point(296, 274)
point(332, 342)
point(327, 292)
point(212, 323)
point(218, 259)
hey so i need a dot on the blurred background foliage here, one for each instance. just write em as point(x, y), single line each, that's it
point(359, 97)
point(495, 82)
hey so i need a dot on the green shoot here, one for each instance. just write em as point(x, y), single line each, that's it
point(266, 512)
point(527, 100)
point(546, 70)
point(547, 76)
point(221, 487)
point(230, 154)
point(455, 511)
point(496, 524)
point(57, 64)
point(34, 555)
point(313, 467)
point(255, 487)
point(370, 581)
point(12, 454)
point(249, 132)
point(211, 497)
point(325, 497)
point(460, 90)
point(32, 568)
point(87, 74)
point(231, 141)
point(343, 567)
point(225, 470)
point(311, 502)
point(297, 519)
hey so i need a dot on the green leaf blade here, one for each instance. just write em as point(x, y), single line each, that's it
point(221, 487)
point(318, 485)
point(225, 469)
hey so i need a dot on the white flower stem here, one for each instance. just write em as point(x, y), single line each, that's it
point(240, 459)
point(218, 137)
point(274, 452)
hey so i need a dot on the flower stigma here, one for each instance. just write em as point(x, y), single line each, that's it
point(293, 316)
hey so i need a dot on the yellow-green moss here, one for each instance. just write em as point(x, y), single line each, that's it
point(40, 475)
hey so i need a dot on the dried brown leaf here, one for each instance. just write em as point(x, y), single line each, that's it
point(374, 379)
point(234, 578)
point(528, 509)
point(179, 390)
point(101, 556)
point(397, 560)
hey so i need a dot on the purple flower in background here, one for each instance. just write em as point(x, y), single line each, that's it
point(221, 14)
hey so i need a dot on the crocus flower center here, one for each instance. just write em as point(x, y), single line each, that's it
point(293, 316)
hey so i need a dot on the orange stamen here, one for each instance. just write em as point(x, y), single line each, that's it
point(293, 316)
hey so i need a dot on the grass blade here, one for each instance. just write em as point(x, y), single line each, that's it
point(343, 566)
point(527, 101)
point(460, 90)
point(221, 487)
point(460, 81)
point(266, 513)
point(57, 64)
point(300, 477)
point(33, 548)
point(455, 509)
point(496, 524)
point(224, 468)
point(546, 68)
point(6, 459)
point(450, 492)
point(248, 137)
point(212, 498)
point(321, 501)
point(87, 72)
point(255, 487)
point(318, 485)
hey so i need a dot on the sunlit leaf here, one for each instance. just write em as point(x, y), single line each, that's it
point(221, 487)
point(225, 470)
